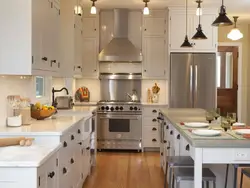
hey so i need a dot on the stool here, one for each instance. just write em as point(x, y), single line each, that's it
point(236, 166)
point(176, 162)
point(246, 172)
point(187, 174)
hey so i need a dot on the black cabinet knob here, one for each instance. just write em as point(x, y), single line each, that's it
point(154, 129)
point(72, 161)
point(79, 131)
point(64, 170)
point(178, 137)
point(80, 143)
point(161, 153)
point(187, 147)
point(167, 127)
point(154, 120)
point(171, 132)
point(165, 123)
point(88, 148)
point(72, 137)
point(165, 141)
point(65, 144)
point(154, 111)
point(45, 59)
point(154, 140)
point(168, 148)
point(51, 174)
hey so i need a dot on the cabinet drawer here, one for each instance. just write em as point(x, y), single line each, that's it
point(150, 121)
point(151, 131)
point(150, 111)
point(151, 141)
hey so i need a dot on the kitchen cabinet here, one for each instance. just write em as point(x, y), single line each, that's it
point(29, 41)
point(154, 41)
point(177, 30)
point(90, 45)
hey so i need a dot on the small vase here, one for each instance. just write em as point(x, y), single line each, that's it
point(155, 97)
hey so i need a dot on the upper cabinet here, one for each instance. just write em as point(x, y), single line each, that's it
point(29, 37)
point(177, 30)
point(154, 45)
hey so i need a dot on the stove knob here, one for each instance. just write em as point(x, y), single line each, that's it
point(117, 108)
point(135, 108)
point(131, 108)
point(112, 108)
point(121, 108)
point(102, 108)
point(107, 108)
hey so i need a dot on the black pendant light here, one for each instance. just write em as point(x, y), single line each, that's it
point(186, 43)
point(199, 35)
point(222, 19)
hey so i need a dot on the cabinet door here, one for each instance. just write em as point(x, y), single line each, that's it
point(90, 27)
point(52, 173)
point(154, 26)
point(154, 57)
point(210, 44)
point(90, 53)
point(177, 29)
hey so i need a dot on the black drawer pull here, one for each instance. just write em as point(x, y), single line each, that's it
point(72, 161)
point(64, 170)
point(178, 137)
point(167, 127)
point(165, 123)
point(154, 140)
point(88, 148)
point(154, 129)
point(72, 137)
point(65, 144)
point(154, 120)
point(154, 111)
point(51, 174)
point(79, 131)
point(165, 141)
point(45, 59)
point(80, 143)
point(161, 153)
point(168, 148)
point(188, 147)
point(171, 132)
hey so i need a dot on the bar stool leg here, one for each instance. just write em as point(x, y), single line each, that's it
point(207, 184)
point(214, 184)
point(226, 176)
point(166, 174)
point(177, 184)
point(172, 182)
point(241, 179)
point(203, 184)
point(235, 177)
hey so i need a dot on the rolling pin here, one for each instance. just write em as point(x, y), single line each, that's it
point(15, 141)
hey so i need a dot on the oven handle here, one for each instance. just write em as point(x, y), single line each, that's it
point(132, 117)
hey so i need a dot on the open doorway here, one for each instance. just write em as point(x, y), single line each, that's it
point(227, 78)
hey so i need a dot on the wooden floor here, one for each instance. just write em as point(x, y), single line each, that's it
point(126, 170)
point(130, 170)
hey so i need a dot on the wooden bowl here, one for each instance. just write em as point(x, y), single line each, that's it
point(42, 114)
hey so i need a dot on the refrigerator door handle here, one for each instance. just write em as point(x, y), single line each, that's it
point(196, 84)
point(191, 85)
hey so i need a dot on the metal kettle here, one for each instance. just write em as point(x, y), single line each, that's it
point(134, 96)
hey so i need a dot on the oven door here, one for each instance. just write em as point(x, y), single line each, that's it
point(121, 127)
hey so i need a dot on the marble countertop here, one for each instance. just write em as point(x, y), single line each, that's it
point(32, 156)
point(175, 116)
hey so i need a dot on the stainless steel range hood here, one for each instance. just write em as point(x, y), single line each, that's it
point(120, 48)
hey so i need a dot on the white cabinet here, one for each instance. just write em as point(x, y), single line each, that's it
point(154, 48)
point(177, 30)
point(29, 43)
point(90, 45)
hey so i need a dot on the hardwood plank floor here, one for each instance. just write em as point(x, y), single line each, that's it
point(130, 170)
point(126, 170)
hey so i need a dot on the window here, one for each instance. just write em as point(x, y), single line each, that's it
point(40, 87)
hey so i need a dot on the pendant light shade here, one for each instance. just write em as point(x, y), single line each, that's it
point(93, 8)
point(199, 9)
point(222, 19)
point(146, 9)
point(186, 43)
point(235, 33)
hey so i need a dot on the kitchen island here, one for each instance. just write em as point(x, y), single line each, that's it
point(228, 148)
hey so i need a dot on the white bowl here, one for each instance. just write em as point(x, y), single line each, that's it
point(239, 124)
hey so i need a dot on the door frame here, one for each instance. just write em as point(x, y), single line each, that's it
point(240, 105)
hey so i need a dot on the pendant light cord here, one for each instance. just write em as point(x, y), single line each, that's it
point(186, 18)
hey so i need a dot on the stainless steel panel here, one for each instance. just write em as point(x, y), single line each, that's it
point(205, 81)
point(121, 76)
point(181, 85)
point(118, 89)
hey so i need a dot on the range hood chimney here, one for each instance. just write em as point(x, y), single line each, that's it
point(120, 49)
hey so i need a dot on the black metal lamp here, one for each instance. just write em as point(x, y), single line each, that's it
point(222, 19)
point(186, 43)
point(199, 35)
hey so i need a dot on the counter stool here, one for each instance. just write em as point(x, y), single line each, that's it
point(187, 174)
point(246, 172)
point(236, 166)
point(176, 162)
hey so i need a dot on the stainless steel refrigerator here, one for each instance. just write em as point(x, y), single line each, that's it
point(193, 80)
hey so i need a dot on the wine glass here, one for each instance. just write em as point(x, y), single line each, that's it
point(209, 116)
point(225, 124)
point(231, 117)
point(216, 113)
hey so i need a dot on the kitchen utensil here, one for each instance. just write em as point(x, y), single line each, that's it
point(15, 141)
point(82, 94)
point(196, 124)
point(206, 132)
point(134, 96)
point(15, 121)
point(242, 131)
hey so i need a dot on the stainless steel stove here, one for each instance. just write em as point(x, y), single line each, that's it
point(119, 125)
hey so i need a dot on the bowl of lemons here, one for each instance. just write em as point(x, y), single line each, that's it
point(41, 112)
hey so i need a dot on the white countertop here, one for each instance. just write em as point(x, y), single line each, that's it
point(31, 156)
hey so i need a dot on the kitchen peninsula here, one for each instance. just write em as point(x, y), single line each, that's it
point(61, 155)
point(228, 148)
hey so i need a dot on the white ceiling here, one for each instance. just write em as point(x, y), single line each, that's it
point(239, 8)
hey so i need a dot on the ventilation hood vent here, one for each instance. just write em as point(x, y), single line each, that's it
point(120, 48)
